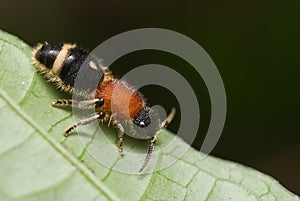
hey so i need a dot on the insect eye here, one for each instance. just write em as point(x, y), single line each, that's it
point(142, 124)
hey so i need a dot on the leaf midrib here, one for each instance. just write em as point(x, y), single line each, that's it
point(59, 148)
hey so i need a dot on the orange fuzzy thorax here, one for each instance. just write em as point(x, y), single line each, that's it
point(120, 99)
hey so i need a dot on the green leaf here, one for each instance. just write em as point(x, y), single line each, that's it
point(38, 163)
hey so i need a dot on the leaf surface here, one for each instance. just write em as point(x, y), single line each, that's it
point(38, 163)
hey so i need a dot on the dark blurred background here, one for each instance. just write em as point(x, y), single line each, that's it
point(255, 45)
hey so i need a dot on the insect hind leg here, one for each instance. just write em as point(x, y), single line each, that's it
point(85, 104)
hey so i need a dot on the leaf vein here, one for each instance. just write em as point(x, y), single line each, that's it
point(61, 149)
point(16, 146)
point(58, 184)
point(27, 94)
point(84, 150)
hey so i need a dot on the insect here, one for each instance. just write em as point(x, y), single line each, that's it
point(65, 63)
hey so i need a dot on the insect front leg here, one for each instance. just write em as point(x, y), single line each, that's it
point(154, 138)
point(149, 153)
point(99, 115)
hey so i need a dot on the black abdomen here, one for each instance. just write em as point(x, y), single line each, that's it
point(72, 65)
point(48, 53)
point(69, 65)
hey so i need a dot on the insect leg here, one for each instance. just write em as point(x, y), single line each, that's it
point(153, 140)
point(168, 119)
point(62, 102)
point(86, 104)
point(120, 135)
point(150, 150)
point(88, 120)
